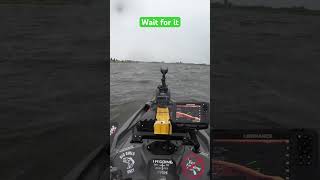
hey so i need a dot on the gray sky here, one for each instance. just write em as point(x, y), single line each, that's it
point(189, 43)
point(310, 4)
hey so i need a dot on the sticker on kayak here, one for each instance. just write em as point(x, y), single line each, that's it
point(162, 166)
point(162, 178)
point(192, 166)
point(128, 159)
point(113, 129)
point(126, 148)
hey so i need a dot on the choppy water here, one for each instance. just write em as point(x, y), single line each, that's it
point(132, 84)
point(52, 92)
point(266, 69)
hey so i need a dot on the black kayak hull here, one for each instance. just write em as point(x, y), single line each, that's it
point(96, 167)
point(142, 161)
point(93, 167)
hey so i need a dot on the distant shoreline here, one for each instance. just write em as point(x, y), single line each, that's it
point(156, 62)
point(294, 9)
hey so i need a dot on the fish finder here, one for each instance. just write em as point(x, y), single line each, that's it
point(191, 115)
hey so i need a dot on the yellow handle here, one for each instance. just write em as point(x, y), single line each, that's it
point(162, 124)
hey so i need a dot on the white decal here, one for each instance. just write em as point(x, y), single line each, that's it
point(113, 130)
point(130, 162)
point(191, 165)
point(163, 161)
point(126, 148)
point(128, 158)
point(162, 166)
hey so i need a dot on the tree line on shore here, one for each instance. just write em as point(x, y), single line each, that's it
point(228, 4)
point(115, 60)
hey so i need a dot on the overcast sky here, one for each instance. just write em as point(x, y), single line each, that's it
point(310, 4)
point(189, 43)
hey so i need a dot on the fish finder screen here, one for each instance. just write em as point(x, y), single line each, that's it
point(252, 159)
point(188, 113)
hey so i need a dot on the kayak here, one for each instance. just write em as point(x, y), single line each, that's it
point(137, 161)
point(162, 140)
point(176, 148)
